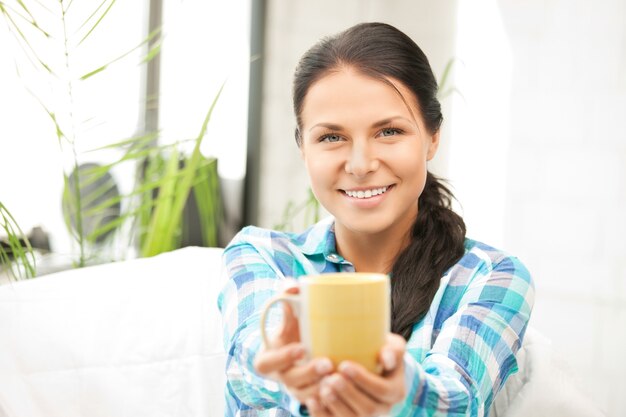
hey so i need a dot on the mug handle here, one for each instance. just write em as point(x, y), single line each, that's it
point(293, 299)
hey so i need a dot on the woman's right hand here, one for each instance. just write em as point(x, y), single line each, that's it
point(282, 359)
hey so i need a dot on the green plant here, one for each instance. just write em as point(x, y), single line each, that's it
point(308, 210)
point(161, 192)
point(160, 229)
point(445, 90)
point(16, 254)
point(151, 213)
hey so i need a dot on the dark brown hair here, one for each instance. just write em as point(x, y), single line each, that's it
point(382, 52)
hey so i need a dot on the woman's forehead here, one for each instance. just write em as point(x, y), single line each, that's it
point(346, 91)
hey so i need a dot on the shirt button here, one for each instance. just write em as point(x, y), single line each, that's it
point(333, 257)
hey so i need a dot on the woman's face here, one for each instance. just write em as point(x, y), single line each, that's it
point(365, 151)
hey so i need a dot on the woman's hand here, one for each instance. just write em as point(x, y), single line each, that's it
point(354, 391)
point(280, 360)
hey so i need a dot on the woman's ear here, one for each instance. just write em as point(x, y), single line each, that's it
point(433, 145)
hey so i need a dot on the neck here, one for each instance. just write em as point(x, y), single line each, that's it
point(372, 252)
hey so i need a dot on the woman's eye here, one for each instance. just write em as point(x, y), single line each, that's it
point(330, 138)
point(390, 131)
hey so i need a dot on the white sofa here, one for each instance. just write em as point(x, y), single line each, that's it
point(130, 339)
point(143, 338)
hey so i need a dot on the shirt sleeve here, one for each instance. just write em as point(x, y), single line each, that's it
point(474, 353)
point(252, 279)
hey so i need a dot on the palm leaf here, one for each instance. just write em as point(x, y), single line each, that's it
point(30, 19)
point(22, 40)
point(157, 239)
point(98, 21)
point(22, 252)
point(206, 193)
point(153, 52)
point(146, 205)
point(90, 16)
point(446, 73)
point(58, 131)
point(101, 68)
point(135, 141)
point(190, 169)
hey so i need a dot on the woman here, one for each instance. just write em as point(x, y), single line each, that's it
point(368, 122)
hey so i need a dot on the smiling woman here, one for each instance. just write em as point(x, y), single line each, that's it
point(368, 123)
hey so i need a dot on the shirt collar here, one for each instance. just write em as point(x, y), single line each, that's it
point(318, 239)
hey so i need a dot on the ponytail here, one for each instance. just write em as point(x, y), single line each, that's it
point(437, 243)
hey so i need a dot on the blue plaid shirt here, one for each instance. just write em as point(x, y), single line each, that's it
point(458, 357)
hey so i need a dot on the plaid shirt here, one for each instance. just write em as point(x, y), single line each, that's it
point(458, 357)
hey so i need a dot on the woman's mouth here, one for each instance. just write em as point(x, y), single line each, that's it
point(362, 194)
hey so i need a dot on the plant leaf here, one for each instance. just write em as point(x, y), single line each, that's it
point(206, 193)
point(24, 258)
point(157, 241)
point(153, 52)
point(98, 22)
point(92, 14)
point(190, 169)
point(24, 44)
point(141, 140)
point(446, 73)
point(154, 33)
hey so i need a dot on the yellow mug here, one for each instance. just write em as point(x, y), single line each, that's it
point(342, 316)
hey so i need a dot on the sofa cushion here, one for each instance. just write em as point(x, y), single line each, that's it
point(135, 338)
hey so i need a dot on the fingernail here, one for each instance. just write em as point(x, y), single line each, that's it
point(347, 369)
point(389, 360)
point(327, 394)
point(312, 405)
point(323, 366)
point(337, 382)
point(297, 351)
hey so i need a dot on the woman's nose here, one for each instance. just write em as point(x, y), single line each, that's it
point(361, 160)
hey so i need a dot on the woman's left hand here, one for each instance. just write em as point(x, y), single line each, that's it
point(356, 392)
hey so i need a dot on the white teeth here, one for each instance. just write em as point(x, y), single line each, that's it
point(366, 193)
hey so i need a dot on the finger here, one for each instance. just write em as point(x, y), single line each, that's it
point(380, 388)
point(392, 352)
point(310, 373)
point(356, 399)
point(291, 286)
point(316, 409)
point(334, 403)
point(303, 394)
point(279, 359)
point(388, 359)
point(306, 393)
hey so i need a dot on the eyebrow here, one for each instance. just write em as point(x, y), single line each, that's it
point(332, 126)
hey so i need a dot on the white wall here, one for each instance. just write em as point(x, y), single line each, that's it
point(566, 179)
point(535, 149)
point(538, 156)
